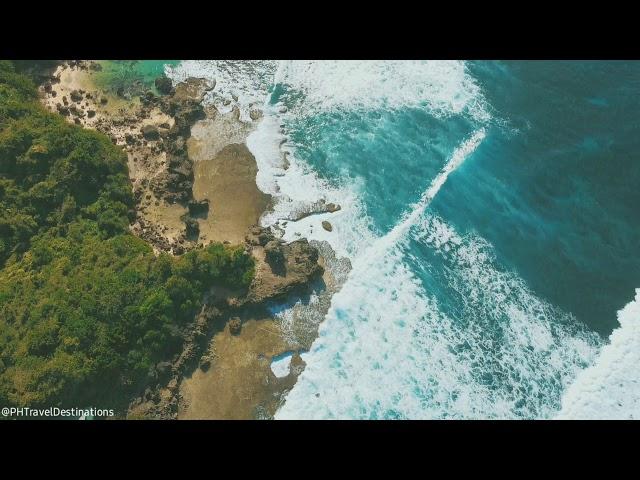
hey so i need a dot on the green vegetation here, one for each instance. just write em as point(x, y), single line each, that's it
point(86, 308)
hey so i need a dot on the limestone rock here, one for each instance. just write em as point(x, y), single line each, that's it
point(290, 267)
point(274, 256)
point(259, 236)
point(192, 227)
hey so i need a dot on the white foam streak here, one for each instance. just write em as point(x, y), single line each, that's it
point(465, 149)
point(610, 389)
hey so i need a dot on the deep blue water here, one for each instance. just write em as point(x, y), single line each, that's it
point(560, 200)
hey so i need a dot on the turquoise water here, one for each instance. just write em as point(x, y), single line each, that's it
point(131, 75)
point(490, 212)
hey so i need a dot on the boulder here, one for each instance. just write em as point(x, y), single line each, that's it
point(259, 236)
point(150, 132)
point(327, 226)
point(181, 166)
point(75, 96)
point(205, 364)
point(163, 369)
point(185, 113)
point(192, 227)
point(296, 264)
point(76, 111)
point(274, 256)
point(312, 208)
point(173, 385)
point(255, 114)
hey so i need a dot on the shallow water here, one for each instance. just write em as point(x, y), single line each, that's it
point(130, 73)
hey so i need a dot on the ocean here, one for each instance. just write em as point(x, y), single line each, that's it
point(490, 214)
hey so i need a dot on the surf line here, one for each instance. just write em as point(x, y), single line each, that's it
point(462, 152)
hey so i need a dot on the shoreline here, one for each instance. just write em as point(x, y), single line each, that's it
point(195, 182)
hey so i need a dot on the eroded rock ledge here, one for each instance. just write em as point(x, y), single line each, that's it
point(282, 270)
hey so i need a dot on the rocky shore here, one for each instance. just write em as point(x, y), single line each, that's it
point(194, 181)
point(234, 316)
point(153, 131)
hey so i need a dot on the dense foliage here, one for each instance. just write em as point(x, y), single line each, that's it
point(86, 308)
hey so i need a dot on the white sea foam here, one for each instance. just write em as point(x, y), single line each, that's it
point(280, 366)
point(610, 389)
point(387, 350)
point(465, 149)
point(443, 87)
